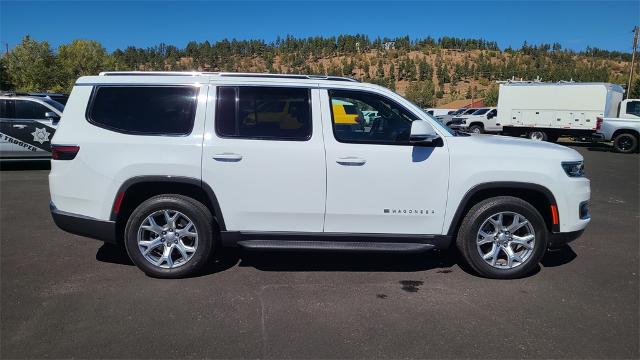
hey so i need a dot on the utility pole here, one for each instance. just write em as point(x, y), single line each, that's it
point(636, 29)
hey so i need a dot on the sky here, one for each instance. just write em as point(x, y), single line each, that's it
point(118, 24)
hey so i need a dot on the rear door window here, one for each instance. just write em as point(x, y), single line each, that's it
point(25, 109)
point(268, 113)
point(144, 110)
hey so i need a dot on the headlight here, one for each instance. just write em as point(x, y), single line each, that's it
point(573, 168)
point(464, 121)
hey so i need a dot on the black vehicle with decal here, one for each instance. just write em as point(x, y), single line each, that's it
point(27, 124)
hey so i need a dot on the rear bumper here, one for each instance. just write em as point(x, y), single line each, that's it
point(560, 239)
point(84, 226)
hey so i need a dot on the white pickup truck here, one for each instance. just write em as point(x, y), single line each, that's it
point(623, 130)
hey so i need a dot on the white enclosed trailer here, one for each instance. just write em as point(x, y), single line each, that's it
point(546, 111)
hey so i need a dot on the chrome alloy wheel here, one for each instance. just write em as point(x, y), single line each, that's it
point(167, 239)
point(506, 240)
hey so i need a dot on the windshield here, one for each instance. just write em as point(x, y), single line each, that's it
point(480, 112)
point(55, 104)
point(469, 111)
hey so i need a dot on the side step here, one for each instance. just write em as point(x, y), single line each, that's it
point(292, 245)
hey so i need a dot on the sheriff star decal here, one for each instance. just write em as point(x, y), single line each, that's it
point(41, 135)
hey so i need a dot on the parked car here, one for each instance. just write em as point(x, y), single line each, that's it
point(546, 111)
point(624, 128)
point(457, 121)
point(27, 124)
point(446, 119)
point(481, 121)
point(346, 113)
point(438, 112)
point(173, 173)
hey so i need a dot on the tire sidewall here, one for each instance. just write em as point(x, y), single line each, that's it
point(634, 140)
point(473, 127)
point(480, 215)
point(542, 135)
point(202, 224)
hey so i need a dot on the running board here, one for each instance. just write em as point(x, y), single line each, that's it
point(292, 245)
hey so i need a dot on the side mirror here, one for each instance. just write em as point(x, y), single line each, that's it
point(52, 116)
point(421, 132)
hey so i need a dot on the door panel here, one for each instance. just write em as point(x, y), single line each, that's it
point(32, 129)
point(381, 188)
point(263, 183)
point(516, 118)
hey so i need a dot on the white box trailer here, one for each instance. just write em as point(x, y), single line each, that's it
point(546, 111)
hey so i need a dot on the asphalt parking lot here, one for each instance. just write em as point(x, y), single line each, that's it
point(65, 296)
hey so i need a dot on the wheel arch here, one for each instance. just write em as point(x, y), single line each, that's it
point(140, 188)
point(479, 123)
point(633, 132)
point(537, 195)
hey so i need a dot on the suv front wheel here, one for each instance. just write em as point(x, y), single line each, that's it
point(170, 236)
point(502, 238)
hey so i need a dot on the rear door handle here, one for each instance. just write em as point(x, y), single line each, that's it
point(351, 161)
point(20, 126)
point(227, 157)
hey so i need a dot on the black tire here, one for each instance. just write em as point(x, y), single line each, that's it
point(537, 135)
point(199, 215)
point(625, 143)
point(466, 240)
point(476, 129)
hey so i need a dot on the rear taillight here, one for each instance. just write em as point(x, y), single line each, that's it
point(598, 123)
point(64, 152)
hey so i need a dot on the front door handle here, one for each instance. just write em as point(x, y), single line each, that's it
point(227, 157)
point(351, 161)
point(20, 126)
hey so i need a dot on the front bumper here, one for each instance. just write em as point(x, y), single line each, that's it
point(558, 240)
point(84, 226)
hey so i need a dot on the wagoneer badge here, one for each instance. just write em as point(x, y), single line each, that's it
point(409, 211)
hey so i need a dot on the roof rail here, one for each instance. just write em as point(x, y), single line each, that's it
point(287, 76)
point(150, 73)
point(226, 74)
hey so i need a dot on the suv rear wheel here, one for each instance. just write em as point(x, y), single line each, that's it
point(170, 236)
point(502, 238)
point(625, 143)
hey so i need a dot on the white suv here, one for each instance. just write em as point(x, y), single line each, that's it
point(175, 165)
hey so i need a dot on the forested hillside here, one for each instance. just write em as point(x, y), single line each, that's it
point(428, 71)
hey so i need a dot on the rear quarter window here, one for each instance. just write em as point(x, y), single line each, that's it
point(144, 110)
